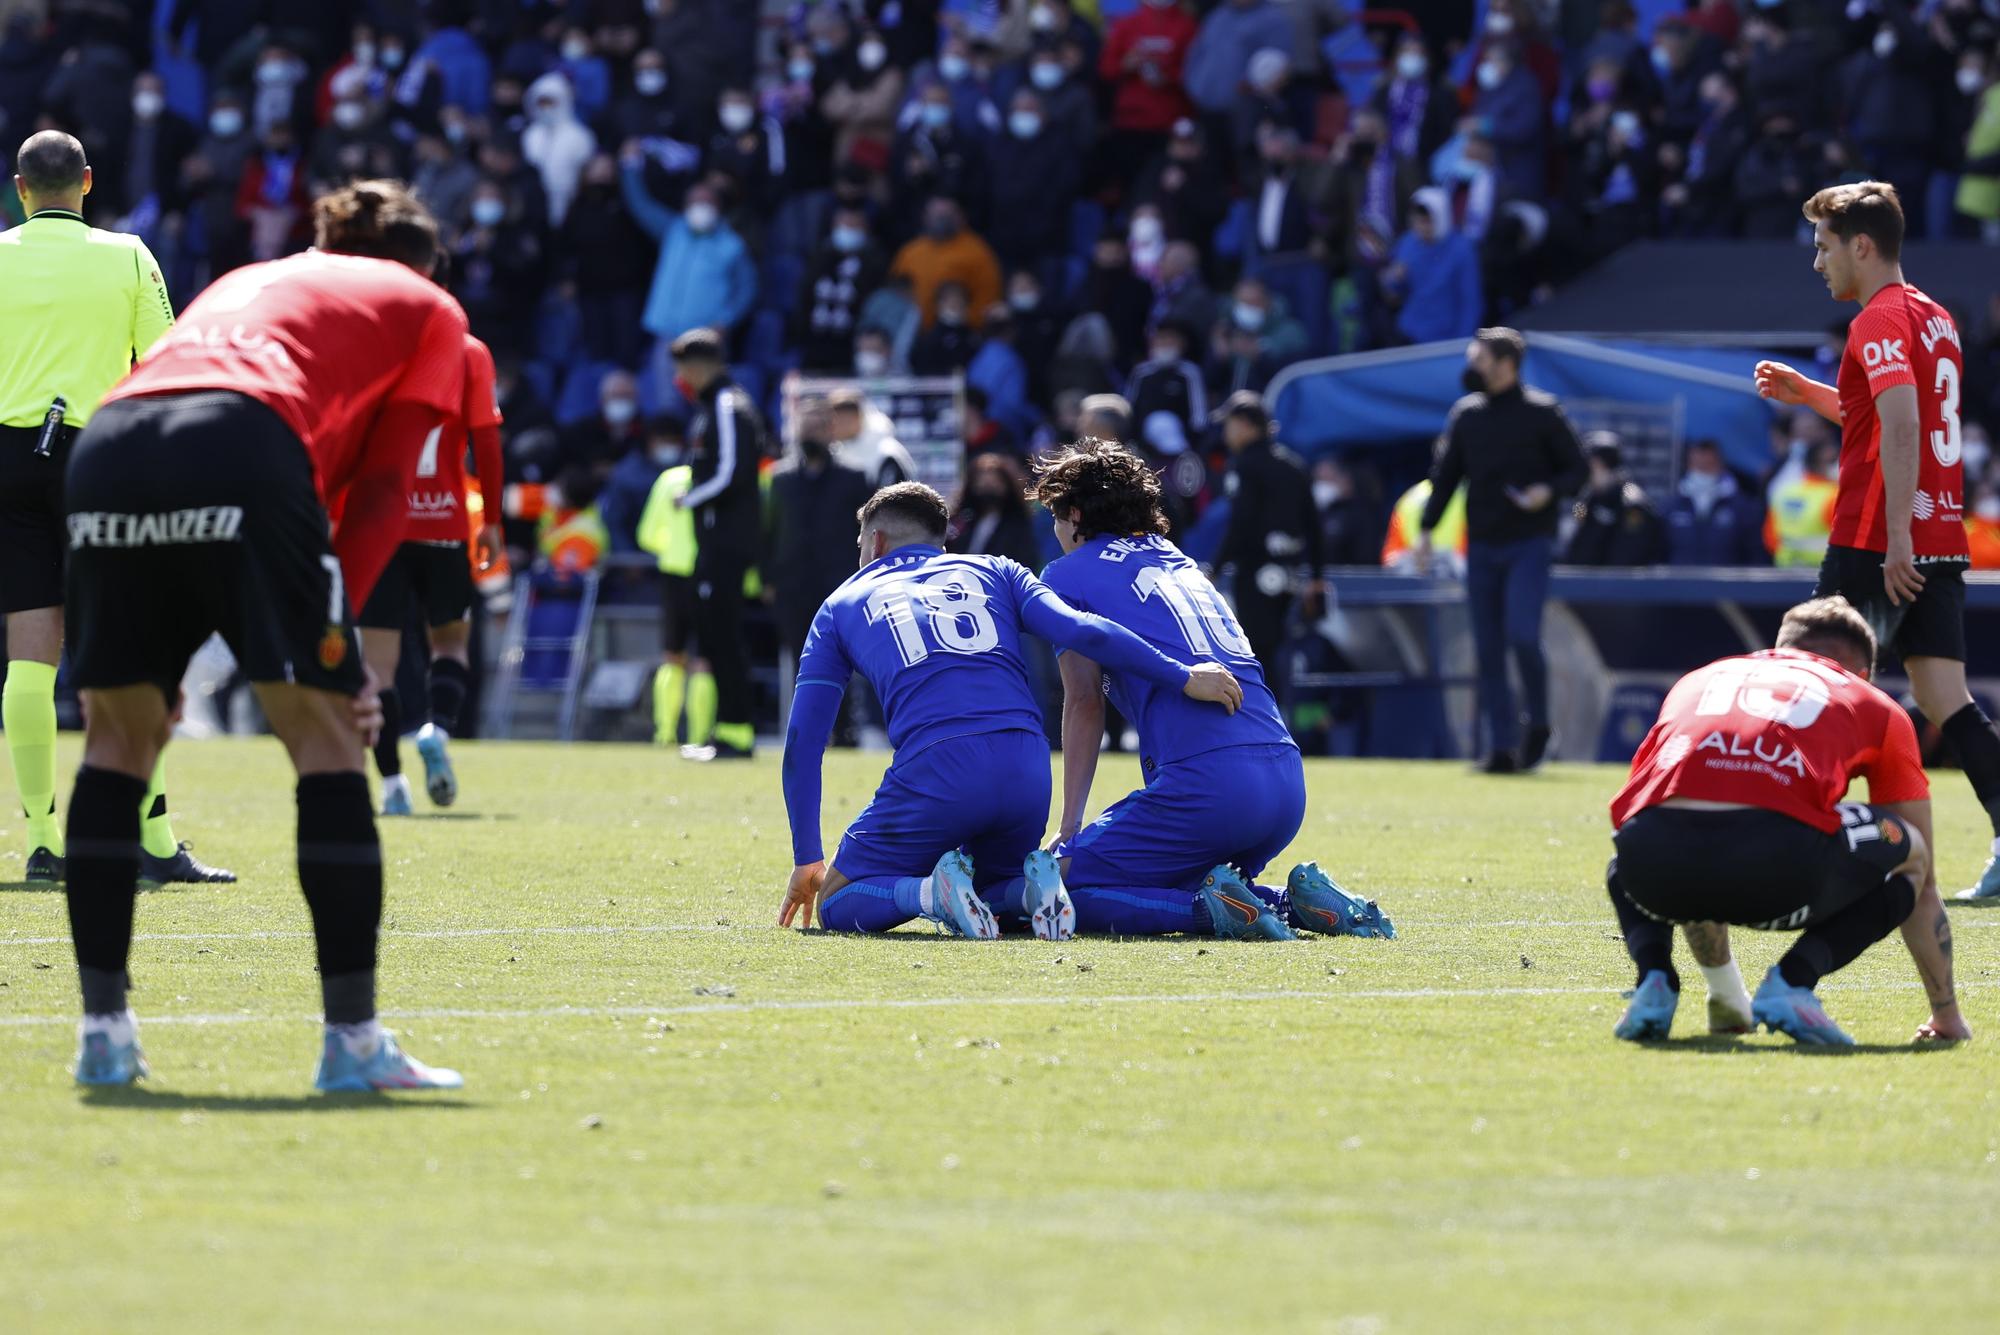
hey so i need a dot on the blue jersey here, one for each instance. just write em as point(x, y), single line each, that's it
point(1148, 586)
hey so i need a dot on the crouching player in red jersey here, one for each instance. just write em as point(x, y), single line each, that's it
point(1898, 550)
point(1733, 814)
point(430, 575)
point(197, 502)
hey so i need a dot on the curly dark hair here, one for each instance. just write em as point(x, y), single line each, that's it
point(1112, 490)
point(381, 219)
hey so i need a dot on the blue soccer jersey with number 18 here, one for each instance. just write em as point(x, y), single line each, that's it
point(1148, 586)
point(938, 637)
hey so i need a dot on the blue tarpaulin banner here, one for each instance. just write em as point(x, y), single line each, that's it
point(1374, 400)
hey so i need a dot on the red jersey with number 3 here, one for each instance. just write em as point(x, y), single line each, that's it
point(1902, 337)
point(326, 341)
point(1782, 730)
point(437, 497)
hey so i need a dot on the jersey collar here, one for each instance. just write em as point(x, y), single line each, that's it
point(53, 215)
point(908, 549)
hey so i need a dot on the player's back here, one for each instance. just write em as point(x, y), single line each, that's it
point(1902, 337)
point(1150, 587)
point(1779, 729)
point(322, 339)
point(938, 637)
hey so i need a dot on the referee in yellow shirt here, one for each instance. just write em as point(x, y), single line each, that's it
point(82, 305)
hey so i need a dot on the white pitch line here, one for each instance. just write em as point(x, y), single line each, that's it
point(923, 1003)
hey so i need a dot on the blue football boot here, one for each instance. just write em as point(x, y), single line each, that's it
point(388, 1067)
point(439, 781)
point(1319, 905)
point(959, 907)
point(100, 1060)
point(1650, 1017)
point(1050, 911)
point(1795, 1013)
point(1237, 911)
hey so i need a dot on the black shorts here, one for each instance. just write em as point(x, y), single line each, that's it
point(1753, 868)
point(193, 514)
point(433, 579)
point(677, 606)
point(31, 522)
point(1931, 627)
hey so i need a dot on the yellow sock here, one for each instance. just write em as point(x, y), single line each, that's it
point(156, 828)
point(701, 708)
point(739, 735)
point(669, 690)
point(28, 711)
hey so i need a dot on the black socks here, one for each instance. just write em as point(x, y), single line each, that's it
point(387, 762)
point(1839, 940)
point(451, 680)
point(340, 871)
point(103, 879)
point(1971, 735)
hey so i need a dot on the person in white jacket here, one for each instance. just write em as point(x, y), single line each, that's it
point(864, 439)
point(556, 142)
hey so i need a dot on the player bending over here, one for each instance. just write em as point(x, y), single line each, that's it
point(1898, 551)
point(1224, 794)
point(197, 503)
point(964, 805)
point(1733, 814)
point(430, 574)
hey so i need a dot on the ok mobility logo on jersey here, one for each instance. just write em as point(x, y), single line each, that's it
point(171, 528)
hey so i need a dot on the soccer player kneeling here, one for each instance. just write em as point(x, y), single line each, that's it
point(198, 502)
point(954, 831)
point(1224, 794)
point(1733, 814)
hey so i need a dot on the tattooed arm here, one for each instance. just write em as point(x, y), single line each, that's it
point(1927, 935)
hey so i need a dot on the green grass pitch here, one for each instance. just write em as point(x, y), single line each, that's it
point(679, 1118)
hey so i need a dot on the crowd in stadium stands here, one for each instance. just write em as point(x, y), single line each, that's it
point(1168, 200)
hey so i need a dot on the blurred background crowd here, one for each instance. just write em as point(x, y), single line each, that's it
point(1165, 201)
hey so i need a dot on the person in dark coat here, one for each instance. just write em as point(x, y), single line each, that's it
point(1617, 524)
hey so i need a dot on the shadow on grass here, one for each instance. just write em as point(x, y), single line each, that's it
point(1727, 1044)
point(166, 1100)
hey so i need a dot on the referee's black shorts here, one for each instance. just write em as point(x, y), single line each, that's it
point(1930, 626)
point(191, 514)
point(31, 521)
point(1754, 868)
point(433, 579)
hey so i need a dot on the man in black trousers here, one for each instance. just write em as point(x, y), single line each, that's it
point(1515, 450)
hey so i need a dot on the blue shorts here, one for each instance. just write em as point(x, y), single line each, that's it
point(1241, 805)
point(986, 795)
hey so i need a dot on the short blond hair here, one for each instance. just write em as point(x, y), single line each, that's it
point(1829, 623)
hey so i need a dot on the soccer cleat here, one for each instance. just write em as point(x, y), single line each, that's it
point(102, 1061)
point(439, 781)
point(1237, 912)
point(1988, 887)
point(1500, 762)
point(396, 796)
point(959, 907)
point(1724, 1018)
point(1794, 1012)
point(1318, 905)
point(1535, 748)
point(1049, 909)
point(183, 868)
point(1650, 1017)
point(715, 751)
point(44, 868)
point(388, 1067)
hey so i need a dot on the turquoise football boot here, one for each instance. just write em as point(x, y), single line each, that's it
point(1237, 912)
point(439, 781)
point(1650, 1017)
point(388, 1067)
point(1795, 1013)
point(1319, 905)
point(1050, 911)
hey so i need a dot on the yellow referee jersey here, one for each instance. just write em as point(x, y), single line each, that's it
point(81, 305)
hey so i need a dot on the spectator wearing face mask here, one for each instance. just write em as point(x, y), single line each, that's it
point(992, 517)
point(875, 353)
point(1366, 193)
point(864, 439)
point(342, 146)
point(161, 140)
point(1711, 521)
point(442, 178)
point(1508, 112)
point(704, 277)
point(845, 268)
point(1703, 200)
point(1433, 275)
point(1038, 325)
point(934, 154)
point(1034, 181)
point(271, 198)
point(1510, 26)
point(1417, 103)
point(750, 149)
point(948, 252)
point(1142, 60)
point(1619, 177)
point(587, 73)
point(861, 102)
point(1350, 534)
point(599, 441)
point(650, 108)
point(810, 527)
point(1185, 182)
point(794, 103)
point(1616, 522)
point(605, 257)
point(1170, 382)
point(946, 347)
point(498, 268)
point(1890, 105)
point(556, 142)
point(630, 484)
point(1058, 72)
point(211, 178)
point(417, 90)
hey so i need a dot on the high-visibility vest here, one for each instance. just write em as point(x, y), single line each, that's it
point(573, 540)
point(665, 528)
point(1982, 536)
point(1801, 520)
point(1406, 521)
